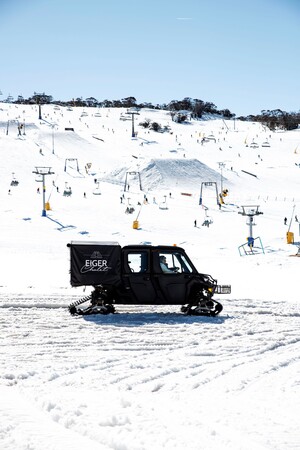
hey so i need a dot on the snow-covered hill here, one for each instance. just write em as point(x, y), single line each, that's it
point(147, 378)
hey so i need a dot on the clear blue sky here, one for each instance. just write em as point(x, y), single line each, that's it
point(238, 54)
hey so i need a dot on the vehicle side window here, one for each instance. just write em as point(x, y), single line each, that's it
point(174, 263)
point(168, 263)
point(138, 262)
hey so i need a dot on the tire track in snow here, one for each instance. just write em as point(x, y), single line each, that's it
point(147, 353)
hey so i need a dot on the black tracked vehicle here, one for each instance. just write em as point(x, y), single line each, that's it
point(140, 275)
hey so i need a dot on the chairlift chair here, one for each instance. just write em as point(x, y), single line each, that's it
point(97, 190)
point(14, 181)
point(67, 192)
point(39, 178)
point(211, 137)
point(163, 205)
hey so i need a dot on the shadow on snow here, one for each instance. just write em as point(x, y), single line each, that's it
point(130, 319)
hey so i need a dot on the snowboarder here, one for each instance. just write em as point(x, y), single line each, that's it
point(195, 223)
point(285, 221)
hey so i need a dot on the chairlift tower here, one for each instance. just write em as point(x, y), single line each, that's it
point(221, 167)
point(43, 171)
point(250, 211)
point(71, 159)
point(132, 120)
point(52, 126)
point(208, 184)
point(9, 122)
point(132, 173)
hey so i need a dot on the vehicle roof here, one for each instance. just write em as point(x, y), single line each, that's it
point(153, 247)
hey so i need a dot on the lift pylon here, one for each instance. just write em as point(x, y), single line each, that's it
point(133, 173)
point(253, 245)
point(207, 184)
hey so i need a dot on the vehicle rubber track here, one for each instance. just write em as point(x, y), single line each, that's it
point(189, 310)
point(73, 306)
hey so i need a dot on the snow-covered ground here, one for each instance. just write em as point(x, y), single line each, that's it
point(147, 377)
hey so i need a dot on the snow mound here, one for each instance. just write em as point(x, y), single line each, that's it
point(167, 172)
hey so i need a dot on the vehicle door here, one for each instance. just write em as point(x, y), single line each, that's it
point(173, 275)
point(137, 276)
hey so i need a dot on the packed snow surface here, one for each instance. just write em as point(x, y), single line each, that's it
point(148, 377)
